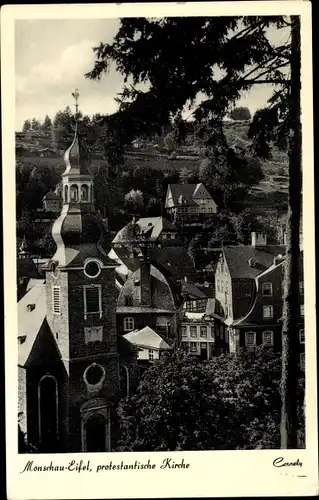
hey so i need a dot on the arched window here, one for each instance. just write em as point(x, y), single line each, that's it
point(74, 192)
point(48, 407)
point(84, 192)
point(66, 194)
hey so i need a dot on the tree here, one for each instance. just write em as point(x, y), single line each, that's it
point(182, 403)
point(240, 114)
point(189, 175)
point(47, 123)
point(35, 124)
point(26, 126)
point(134, 201)
point(140, 50)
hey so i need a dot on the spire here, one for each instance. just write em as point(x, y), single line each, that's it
point(76, 157)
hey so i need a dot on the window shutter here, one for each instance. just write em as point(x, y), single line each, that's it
point(56, 300)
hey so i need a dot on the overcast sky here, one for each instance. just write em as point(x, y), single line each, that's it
point(52, 57)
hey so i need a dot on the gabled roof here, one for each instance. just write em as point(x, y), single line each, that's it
point(175, 259)
point(26, 268)
point(238, 258)
point(183, 192)
point(146, 337)
point(30, 322)
point(150, 226)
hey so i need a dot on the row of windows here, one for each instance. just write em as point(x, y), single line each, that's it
point(161, 323)
point(194, 331)
point(74, 193)
point(195, 305)
point(193, 346)
point(268, 338)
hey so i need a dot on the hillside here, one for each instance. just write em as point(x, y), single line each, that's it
point(35, 149)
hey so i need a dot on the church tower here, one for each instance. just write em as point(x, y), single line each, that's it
point(81, 310)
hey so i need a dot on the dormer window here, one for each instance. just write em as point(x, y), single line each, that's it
point(22, 339)
point(267, 289)
point(252, 262)
point(128, 300)
point(30, 307)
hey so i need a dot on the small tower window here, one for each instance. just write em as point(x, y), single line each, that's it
point(92, 269)
point(84, 193)
point(74, 192)
point(66, 194)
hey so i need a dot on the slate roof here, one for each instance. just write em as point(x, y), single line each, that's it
point(150, 226)
point(184, 190)
point(30, 322)
point(146, 337)
point(51, 196)
point(26, 268)
point(192, 291)
point(175, 259)
point(238, 256)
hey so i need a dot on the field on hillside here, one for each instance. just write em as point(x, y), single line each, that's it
point(270, 193)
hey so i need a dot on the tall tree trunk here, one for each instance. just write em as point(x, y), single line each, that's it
point(291, 307)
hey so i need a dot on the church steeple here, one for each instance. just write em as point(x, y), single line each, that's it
point(78, 226)
point(77, 180)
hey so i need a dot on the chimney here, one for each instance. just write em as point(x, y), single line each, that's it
point(258, 239)
point(279, 258)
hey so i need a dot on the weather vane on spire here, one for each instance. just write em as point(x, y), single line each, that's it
point(76, 96)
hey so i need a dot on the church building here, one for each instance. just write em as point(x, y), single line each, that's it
point(73, 367)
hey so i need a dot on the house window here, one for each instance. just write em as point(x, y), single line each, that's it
point(184, 331)
point(302, 336)
point(301, 287)
point(56, 300)
point(193, 347)
point(203, 345)
point(268, 311)
point(92, 300)
point(218, 285)
point(302, 310)
point(302, 361)
point(128, 324)
point(222, 287)
point(128, 300)
point(161, 324)
point(203, 331)
point(193, 330)
point(151, 354)
point(268, 338)
point(250, 339)
point(267, 289)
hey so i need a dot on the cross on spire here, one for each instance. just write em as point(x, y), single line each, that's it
point(76, 96)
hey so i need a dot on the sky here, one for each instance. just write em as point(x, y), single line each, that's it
point(52, 56)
